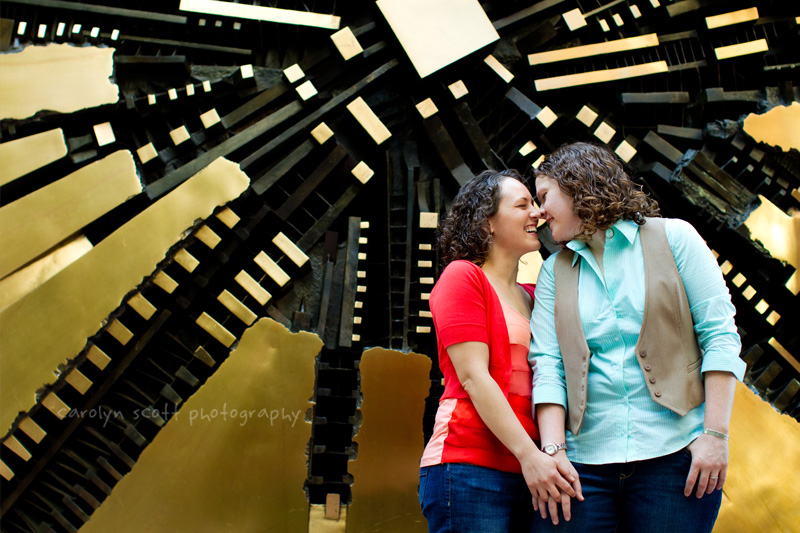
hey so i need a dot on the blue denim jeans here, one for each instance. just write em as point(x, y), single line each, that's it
point(639, 497)
point(461, 498)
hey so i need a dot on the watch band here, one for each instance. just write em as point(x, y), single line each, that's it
point(551, 448)
point(718, 434)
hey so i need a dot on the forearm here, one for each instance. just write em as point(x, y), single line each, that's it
point(552, 420)
point(720, 388)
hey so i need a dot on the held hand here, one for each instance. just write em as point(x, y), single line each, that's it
point(709, 465)
point(552, 480)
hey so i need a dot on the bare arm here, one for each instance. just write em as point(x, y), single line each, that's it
point(541, 472)
point(552, 423)
point(709, 453)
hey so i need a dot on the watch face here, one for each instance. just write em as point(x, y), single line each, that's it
point(550, 449)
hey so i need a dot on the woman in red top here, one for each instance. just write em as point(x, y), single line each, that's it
point(482, 464)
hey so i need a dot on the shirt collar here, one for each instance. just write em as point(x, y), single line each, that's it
point(627, 228)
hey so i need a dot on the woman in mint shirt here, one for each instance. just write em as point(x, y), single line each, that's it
point(635, 353)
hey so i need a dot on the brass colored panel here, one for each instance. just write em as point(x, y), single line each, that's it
point(55, 405)
point(163, 280)
point(241, 311)
point(56, 77)
point(6, 472)
point(24, 155)
point(322, 133)
point(252, 287)
point(267, 14)
point(32, 430)
point(52, 323)
point(458, 89)
point(498, 67)
point(98, 357)
point(369, 120)
point(598, 76)
point(147, 152)
point(233, 458)
point(763, 457)
point(120, 332)
point(734, 17)
point(294, 73)
point(362, 172)
point(390, 442)
point(16, 446)
point(290, 249)
point(436, 34)
point(228, 217)
point(346, 43)
point(186, 260)
point(209, 118)
point(216, 330)
point(777, 127)
point(306, 90)
point(427, 108)
point(40, 220)
point(589, 50)
point(28, 278)
point(142, 305)
point(207, 236)
point(741, 49)
point(272, 269)
point(204, 356)
point(78, 381)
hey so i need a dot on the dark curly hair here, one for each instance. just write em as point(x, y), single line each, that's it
point(464, 233)
point(599, 184)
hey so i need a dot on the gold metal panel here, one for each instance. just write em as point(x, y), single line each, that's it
point(6, 472)
point(763, 456)
point(318, 523)
point(163, 280)
point(272, 269)
point(147, 152)
point(436, 34)
point(458, 89)
point(186, 260)
point(362, 172)
point(306, 90)
point(28, 278)
point(742, 49)
point(267, 14)
point(55, 405)
point(322, 133)
point(216, 330)
point(427, 108)
point(241, 311)
point(179, 135)
point(252, 287)
point(209, 118)
point(290, 249)
point(120, 332)
point(589, 50)
point(228, 217)
point(40, 220)
point(32, 430)
point(78, 381)
point(207, 236)
point(498, 67)
point(599, 76)
point(233, 458)
point(98, 357)
point(294, 73)
point(369, 120)
point(20, 156)
point(16, 446)
point(52, 323)
point(734, 17)
point(142, 305)
point(386, 473)
point(104, 134)
point(57, 77)
point(777, 127)
point(346, 43)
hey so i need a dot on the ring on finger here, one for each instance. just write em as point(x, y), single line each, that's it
point(713, 477)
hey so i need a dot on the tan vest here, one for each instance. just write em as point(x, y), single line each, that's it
point(667, 350)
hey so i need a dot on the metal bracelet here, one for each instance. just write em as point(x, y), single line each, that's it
point(719, 435)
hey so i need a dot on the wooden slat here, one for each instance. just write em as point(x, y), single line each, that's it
point(21, 156)
point(216, 330)
point(239, 310)
point(102, 10)
point(292, 251)
point(312, 182)
point(350, 282)
point(599, 76)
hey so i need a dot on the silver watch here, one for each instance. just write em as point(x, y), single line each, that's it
point(551, 448)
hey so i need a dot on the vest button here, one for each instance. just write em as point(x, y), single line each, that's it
point(658, 393)
point(647, 367)
point(643, 353)
point(652, 380)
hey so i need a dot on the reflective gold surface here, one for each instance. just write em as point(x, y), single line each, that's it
point(53, 322)
point(588, 50)
point(759, 493)
point(239, 472)
point(20, 156)
point(42, 219)
point(778, 127)
point(56, 77)
point(599, 76)
point(394, 386)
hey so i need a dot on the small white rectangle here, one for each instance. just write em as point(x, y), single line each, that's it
point(425, 264)
point(604, 132)
point(587, 116)
point(618, 19)
point(426, 281)
point(290, 249)
point(736, 50)
point(104, 134)
point(322, 133)
point(574, 19)
point(734, 17)
point(209, 118)
point(604, 25)
point(179, 135)
point(625, 151)
point(655, 3)
point(362, 240)
point(95, 32)
point(546, 116)
point(362, 256)
point(76, 28)
point(496, 66)
point(527, 148)
point(237, 25)
point(425, 296)
point(246, 71)
point(42, 31)
point(361, 288)
point(173, 94)
point(364, 224)
point(207, 86)
point(21, 28)
point(425, 247)
point(635, 11)
point(190, 90)
point(151, 99)
point(458, 89)
point(115, 35)
point(60, 29)
point(538, 161)
point(293, 73)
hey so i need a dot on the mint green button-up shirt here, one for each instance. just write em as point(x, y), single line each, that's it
point(622, 423)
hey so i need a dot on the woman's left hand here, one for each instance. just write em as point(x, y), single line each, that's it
point(709, 465)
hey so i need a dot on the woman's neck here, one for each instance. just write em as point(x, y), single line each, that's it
point(502, 268)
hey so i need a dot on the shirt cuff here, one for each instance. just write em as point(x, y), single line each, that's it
point(723, 362)
point(550, 394)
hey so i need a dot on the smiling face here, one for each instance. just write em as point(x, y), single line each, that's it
point(556, 210)
point(514, 224)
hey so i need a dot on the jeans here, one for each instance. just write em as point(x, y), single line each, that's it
point(639, 497)
point(461, 498)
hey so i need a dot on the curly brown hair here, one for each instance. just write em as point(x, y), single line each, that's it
point(464, 233)
point(600, 186)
